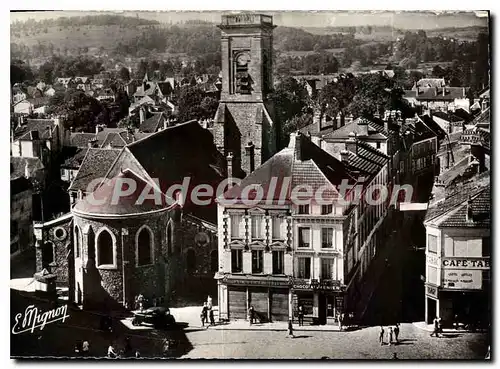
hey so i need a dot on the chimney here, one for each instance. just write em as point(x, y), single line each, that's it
point(142, 115)
point(320, 142)
point(444, 91)
point(469, 214)
point(229, 159)
point(344, 156)
point(296, 137)
point(418, 90)
point(317, 118)
point(350, 144)
point(386, 122)
point(435, 91)
point(249, 151)
point(98, 128)
point(363, 125)
point(27, 173)
point(49, 131)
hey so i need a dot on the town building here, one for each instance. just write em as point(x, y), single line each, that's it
point(244, 123)
point(458, 250)
point(439, 98)
point(276, 255)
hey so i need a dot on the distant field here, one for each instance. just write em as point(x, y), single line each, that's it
point(304, 53)
point(87, 36)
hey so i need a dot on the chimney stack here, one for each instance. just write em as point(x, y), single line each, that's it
point(469, 215)
point(317, 118)
point(249, 150)
point(297, 147)
point(142, 115)
point(444, 91)
point(344, 156)
point(363, 126)
point(27, 173)
point(351, 144)
point(229, 159)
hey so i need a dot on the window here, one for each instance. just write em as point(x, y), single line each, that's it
point(379, 145)
point(78, 243)
point(326, 209)
point(304, 237)
point(190, 260)
point(276, 228)
point(327, 268)
point(257, 226)
point(236, 261)
point(257, 260)
point(303, 209)
point(105, 248)
point(305, 268)
point(432, 244)
point(214, 261)
point(242, 79)
point(47, 254)
point(91, 245)
point(486, 245)
point(144, 247)
point(432, 275)
point(278, 262)
point(327, 238)
point(235, 226)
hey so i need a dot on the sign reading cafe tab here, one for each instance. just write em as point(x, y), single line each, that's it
point(449, 263)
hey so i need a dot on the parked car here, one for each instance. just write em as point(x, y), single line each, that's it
point(158, 317)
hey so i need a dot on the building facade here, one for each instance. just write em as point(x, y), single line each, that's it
point(458, 258)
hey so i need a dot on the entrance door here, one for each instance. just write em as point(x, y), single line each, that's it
point(431, 310)
point(330, 307)
point(279, 305)
point(322, 309)
point(237, 300)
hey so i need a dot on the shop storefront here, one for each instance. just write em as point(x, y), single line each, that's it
point(322, 302)
point(269, 296)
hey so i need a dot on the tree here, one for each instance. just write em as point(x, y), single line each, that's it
point(124, 74)
point(78, 109)
point(374, 94)
point(209, 106)
point(19, 72)
point(189, 102)
point(335, 97)
point(295, 123)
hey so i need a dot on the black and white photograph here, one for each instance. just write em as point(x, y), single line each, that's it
point(249, 184)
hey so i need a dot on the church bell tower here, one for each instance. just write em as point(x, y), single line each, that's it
point(244, 123)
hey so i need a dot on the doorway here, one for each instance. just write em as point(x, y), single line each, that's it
point(322, 305)
point(431, 310)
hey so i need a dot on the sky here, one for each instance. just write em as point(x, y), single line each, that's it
point(400, 19)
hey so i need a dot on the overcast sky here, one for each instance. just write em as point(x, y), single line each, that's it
point(405, 20)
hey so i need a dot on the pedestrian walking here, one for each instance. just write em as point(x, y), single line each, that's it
point(389, 335)
point(140, 301)
point(455, 321)
point(166, 347)
point(395, 356)
point(440, 327)
point(209, 302)
point(396, 332)
point(85, 348)
point(435, 331)
point(301, 315)
point(212, 318)
point(341, 320)
point(290, 328)
point(112, 352)
point(203, 314)
point(251, 313)
point(381, 336)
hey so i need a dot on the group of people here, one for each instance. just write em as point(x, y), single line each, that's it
point(126, 352)
point(207, 312)
point(392, 335)
point(82, 348)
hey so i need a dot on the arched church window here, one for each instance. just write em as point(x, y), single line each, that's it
point(169, 240)
point(105, 248)
point(47, 254)
point(144, 242)
point(78, 242)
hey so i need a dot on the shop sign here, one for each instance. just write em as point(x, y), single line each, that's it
point(431, 291)
point(317, 286)
point(469, 263)
point(432, 260)
point(256, 282)
point(462, 279)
